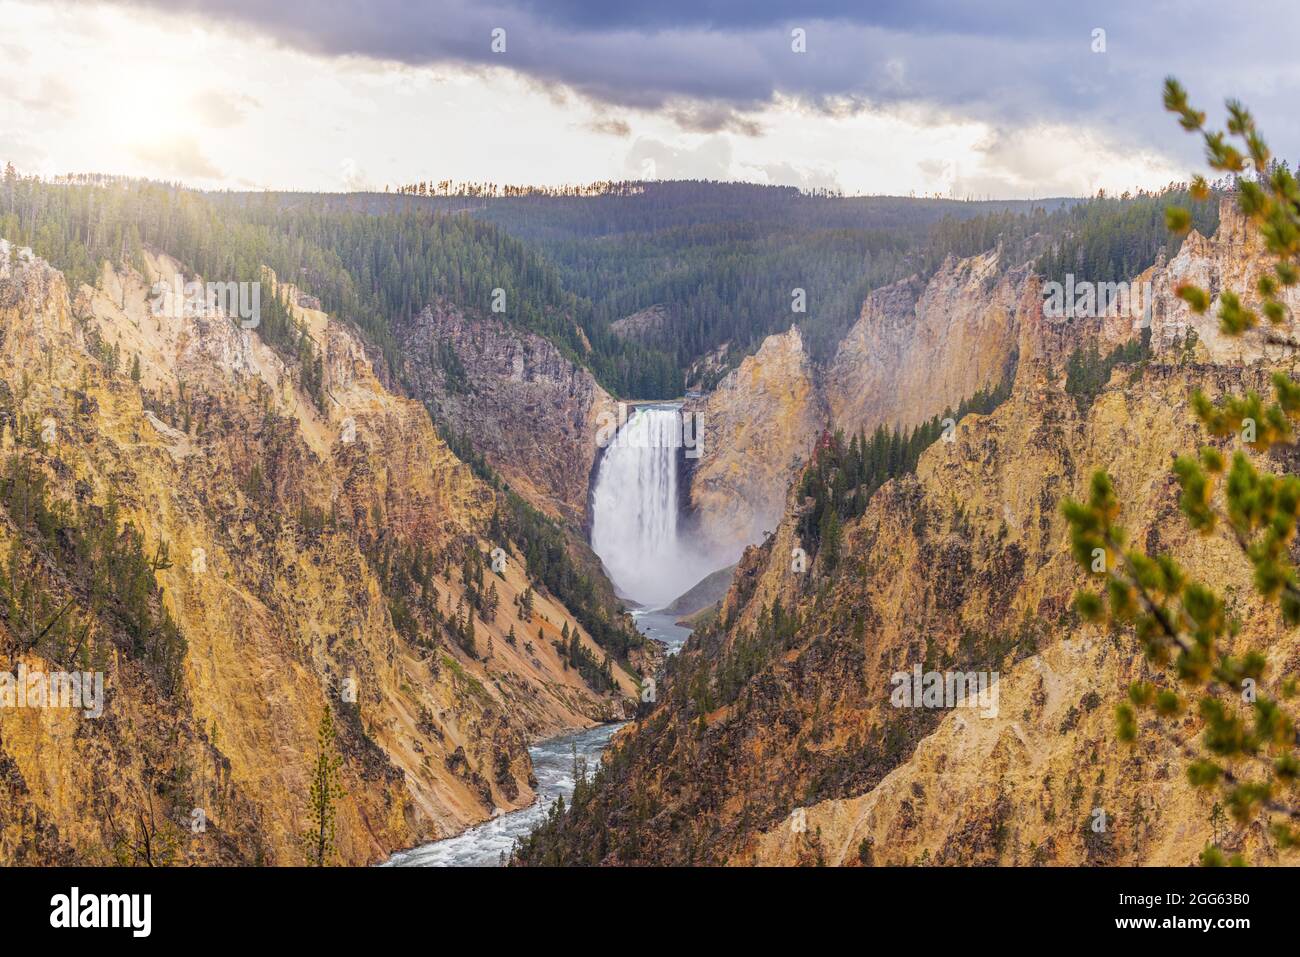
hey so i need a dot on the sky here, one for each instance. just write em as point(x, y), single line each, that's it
point(1000, 99)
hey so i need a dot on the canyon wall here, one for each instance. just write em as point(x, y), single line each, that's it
point(756, 429)
point(306, 550)
point(919, 348)
point(776, 740)
point(533, 413)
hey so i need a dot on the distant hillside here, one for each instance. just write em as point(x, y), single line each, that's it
point(708, 591)
point(723, 257)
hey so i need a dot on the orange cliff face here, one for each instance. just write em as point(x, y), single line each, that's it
point(917, 349)
point(920, 348)
point(756, 430)
point(307, 547)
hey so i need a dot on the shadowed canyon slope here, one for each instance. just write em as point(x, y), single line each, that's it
point(533, 413)
point(775, 739)
point(301, 554)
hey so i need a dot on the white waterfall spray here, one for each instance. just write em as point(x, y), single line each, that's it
point(635, 507)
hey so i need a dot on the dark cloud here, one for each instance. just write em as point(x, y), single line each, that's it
point(712, 118)
point(1006, 62)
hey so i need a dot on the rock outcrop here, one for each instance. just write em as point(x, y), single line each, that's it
point(919, 348)
point(647, 326)
point(532, 412)
point(922, 347)
point(757, 428)
point(706, 593)
point(1232, 260)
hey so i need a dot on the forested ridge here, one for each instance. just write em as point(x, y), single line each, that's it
point(723, 259)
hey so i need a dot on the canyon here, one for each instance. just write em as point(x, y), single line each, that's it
point(774, 740)
point(437, 540)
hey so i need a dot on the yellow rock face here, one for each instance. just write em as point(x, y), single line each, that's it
point(218, 453)
point(1020, 786)
point(1025, 786)
point(787, 746)
point(920, 348)
point(757, 428)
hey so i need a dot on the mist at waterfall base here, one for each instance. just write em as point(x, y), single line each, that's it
point(635, 509)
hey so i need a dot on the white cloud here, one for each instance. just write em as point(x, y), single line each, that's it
point(650, 158)
point(221, 110)
point(261, 114)
point(353, 179)
point(179, 158)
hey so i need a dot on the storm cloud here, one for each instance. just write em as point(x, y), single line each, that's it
point(707, 64)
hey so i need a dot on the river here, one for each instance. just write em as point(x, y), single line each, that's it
point(489, 843)
point(657, 624)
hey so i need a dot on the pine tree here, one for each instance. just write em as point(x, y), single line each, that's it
point(1184, 626)
point(829, 538)
point(467, 640)
point(326, 789)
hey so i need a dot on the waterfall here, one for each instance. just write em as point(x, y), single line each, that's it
point(635, 508)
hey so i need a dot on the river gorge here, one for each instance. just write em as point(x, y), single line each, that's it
point(635, 531)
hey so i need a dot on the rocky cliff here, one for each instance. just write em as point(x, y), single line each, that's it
point(918, 349)
point(263, 555)
point(778, 738)
point(647, 326)
point(532, 412)
point(922, 347)
point(757, 427)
